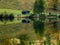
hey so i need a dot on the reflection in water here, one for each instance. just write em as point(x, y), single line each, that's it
point(38, 23)
point(51, 29)
point(39, 27)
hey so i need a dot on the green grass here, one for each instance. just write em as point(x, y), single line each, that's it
point(10, 4)
point(9, 11)
point(15, 13)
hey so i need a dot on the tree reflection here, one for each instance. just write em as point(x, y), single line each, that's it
point(39, 27)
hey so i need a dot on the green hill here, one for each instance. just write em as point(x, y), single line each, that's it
point(10, 4)
point(16, 4)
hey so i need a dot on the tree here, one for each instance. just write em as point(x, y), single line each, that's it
point(11, 17)
point(6, 17)
point(39, 6)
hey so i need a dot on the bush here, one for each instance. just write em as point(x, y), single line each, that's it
point(11, 17)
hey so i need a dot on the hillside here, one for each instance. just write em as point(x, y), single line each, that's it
point(16, 4)
point(10, 4)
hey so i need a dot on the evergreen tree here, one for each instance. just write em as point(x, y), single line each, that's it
point(39, 6)
point(38, 9)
